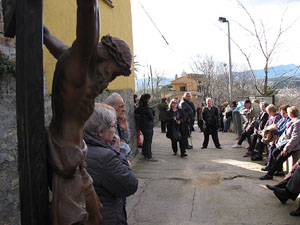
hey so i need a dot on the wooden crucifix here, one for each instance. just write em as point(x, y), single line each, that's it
point(24, 20)
point(82, 72)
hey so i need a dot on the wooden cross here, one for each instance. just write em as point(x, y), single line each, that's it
point(25, 21)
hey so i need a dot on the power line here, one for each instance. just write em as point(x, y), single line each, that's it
point(163, 37)
point(153, 23)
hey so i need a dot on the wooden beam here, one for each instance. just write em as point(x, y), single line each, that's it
point(34, 203)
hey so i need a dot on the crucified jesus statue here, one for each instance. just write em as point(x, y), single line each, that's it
point(82, 72)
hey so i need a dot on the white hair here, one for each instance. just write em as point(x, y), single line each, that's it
point(187, 93)
point(208, 99)
point(101, 119)
point(111, 100)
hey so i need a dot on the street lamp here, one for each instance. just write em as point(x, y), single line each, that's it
point(224, 20)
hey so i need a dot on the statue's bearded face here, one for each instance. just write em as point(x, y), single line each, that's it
point(112, 48)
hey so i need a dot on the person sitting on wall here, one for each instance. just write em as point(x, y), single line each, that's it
point(287, 144)
point(274, 117)
point(261, 122)
point(281, 126)
point(285, 191)
point(248, 126)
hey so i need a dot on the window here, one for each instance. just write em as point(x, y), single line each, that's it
point(109, 2)
point(182, 88)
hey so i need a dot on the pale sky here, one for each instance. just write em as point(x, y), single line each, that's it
point(191, 28)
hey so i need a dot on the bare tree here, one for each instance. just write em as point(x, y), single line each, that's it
point(265, 46)
point(205, 65)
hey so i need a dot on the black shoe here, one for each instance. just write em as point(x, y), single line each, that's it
point(140, 146)
point(184, 155)
point(266, 168)
point(295, 212)
point(189, 147)
point(266, 177)
point(279, 173)
point(281, 194)
point(175, 153)
point(270, 187)
point(219, 147)
point(256, 158)
point(203, 147)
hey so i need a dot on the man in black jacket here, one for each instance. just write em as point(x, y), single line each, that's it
point(210, 118)
point(189, 111)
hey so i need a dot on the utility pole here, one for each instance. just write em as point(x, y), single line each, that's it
point(224, 20)
point(151, 81)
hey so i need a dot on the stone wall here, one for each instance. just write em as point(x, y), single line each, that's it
point(9, 180)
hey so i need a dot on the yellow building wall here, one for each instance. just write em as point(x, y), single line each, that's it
point(60, 17)
point(191, 84)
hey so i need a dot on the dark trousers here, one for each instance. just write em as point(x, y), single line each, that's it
point(271, 159)
point(181, 145)
point(214, 133)
point(191, 126)
point(163, 126)
point(227, 123)
point(278, 160)
point(200, 124)
point(246, 134)
point(147, 142)
point(283, 183)
point(259, 146)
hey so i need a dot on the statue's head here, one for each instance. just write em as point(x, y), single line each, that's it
point(116, 54)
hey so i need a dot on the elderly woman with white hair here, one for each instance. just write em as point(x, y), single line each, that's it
point(111, 173)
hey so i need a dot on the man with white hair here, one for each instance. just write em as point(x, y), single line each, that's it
point(116, 101)
point(211, 118)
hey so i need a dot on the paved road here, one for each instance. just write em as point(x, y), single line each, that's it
point(210, 186)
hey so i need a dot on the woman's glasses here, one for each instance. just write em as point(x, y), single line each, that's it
point(114, 126)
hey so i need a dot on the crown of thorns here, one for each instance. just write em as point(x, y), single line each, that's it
point(115, 52)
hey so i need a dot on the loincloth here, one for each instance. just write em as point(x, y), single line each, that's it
point(70, 182)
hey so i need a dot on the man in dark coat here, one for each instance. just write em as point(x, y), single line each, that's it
point(211, 118)
point(163, 107)
point(187, 106)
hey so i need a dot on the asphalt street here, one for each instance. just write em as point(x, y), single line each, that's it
point(210, 186)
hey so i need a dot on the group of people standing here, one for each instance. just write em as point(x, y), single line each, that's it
point(179, 116)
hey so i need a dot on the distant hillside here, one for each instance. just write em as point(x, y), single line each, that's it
point(139, 82)
point(278, 71)
point(275, 72)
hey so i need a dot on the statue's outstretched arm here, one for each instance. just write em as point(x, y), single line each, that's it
point(54, 45)
point(88, 27)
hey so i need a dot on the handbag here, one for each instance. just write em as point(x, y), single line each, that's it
point(176, 133)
